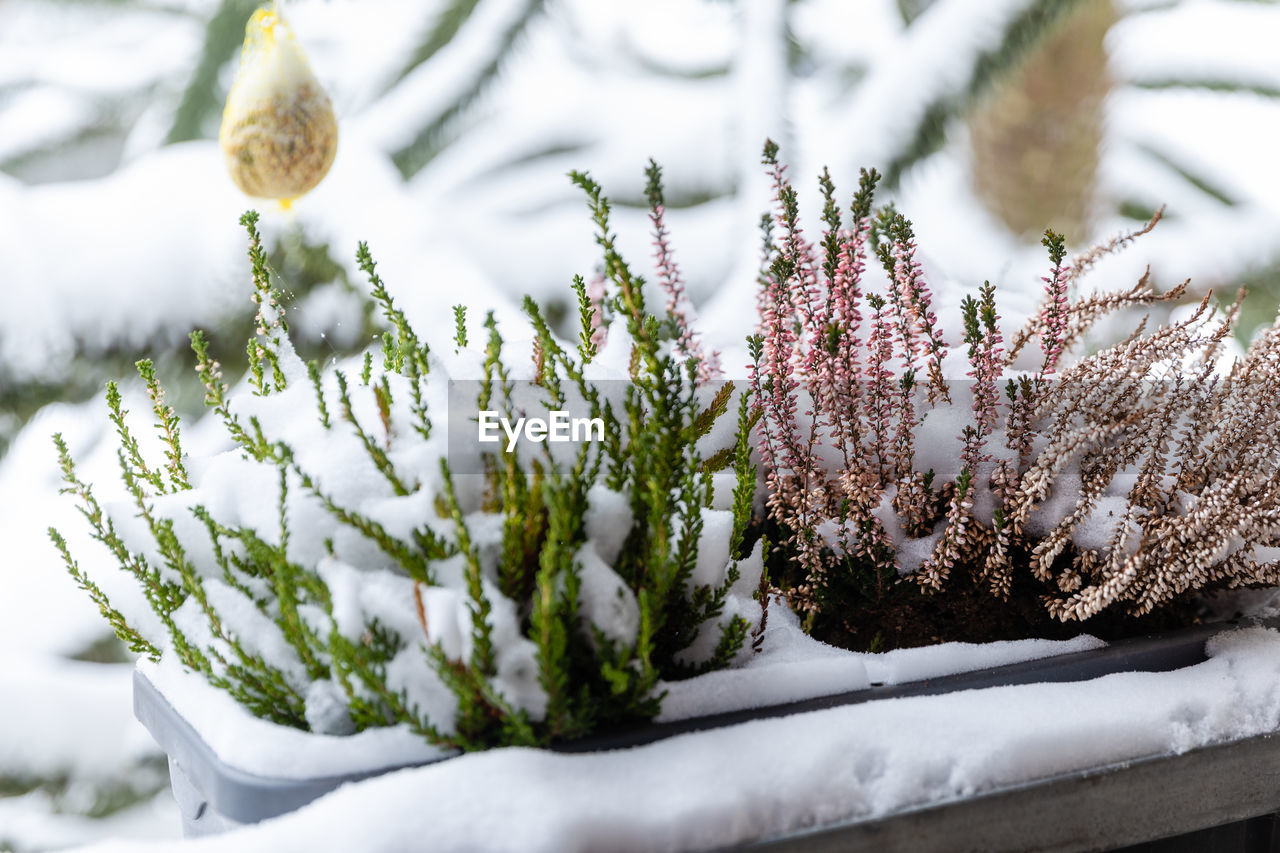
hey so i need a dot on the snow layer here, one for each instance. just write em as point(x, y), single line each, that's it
point(257, 746)
point(82, 707)
point(792, 666)
point(769, 777)
point(36, 821)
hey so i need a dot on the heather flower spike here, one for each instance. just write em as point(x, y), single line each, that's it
point(1054, 313)
point(278, 134)
point(678, 305)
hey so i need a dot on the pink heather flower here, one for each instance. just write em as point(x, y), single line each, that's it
point(677, 301)
point(792, 329)
point(912, 299)
point(1054, 313)
point(794, 247)
point(796, 486)
point(878, 402)
point(985, 368)
point(837, 380)
point(780, 398)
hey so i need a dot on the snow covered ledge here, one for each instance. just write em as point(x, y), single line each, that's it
point(771, 777)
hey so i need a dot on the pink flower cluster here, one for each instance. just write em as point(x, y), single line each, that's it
point(985, 369)
point(856, 437)
point(678, 306)
point(1054, 313)
point(918, 325)
point(839, 402)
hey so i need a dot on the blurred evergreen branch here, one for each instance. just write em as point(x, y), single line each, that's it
point(1022, 35)
point(306, 265)
point(433, 136)
point(201, 100)
point(1193, 176)
point(94, 799)
point(447, 25)
point(1208, 84)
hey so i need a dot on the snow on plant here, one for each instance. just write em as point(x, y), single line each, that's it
point(1135, 475)
point(331, 571)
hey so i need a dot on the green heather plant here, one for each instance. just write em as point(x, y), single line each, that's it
point(265, 614)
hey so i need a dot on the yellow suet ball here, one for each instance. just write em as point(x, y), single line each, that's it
point(279, 133)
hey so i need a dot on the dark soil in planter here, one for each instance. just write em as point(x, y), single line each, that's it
point(867, 616)
point(966, 611)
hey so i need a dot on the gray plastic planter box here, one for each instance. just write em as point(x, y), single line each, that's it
point(1235, 784)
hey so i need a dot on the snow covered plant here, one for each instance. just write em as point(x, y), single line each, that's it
point(1125, 480)
point(331, 571)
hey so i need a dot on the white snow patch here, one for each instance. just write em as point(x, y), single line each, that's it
point(607, 521)
point(248, 743)
point(769, 777)
point(604, 599)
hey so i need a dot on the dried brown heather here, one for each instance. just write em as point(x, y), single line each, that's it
point(1199, 453)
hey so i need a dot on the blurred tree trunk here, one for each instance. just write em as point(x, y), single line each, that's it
point(1035, 141)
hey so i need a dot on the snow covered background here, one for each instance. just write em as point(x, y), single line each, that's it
point(115, 243)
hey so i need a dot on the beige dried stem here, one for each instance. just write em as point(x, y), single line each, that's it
point(1200, 454)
